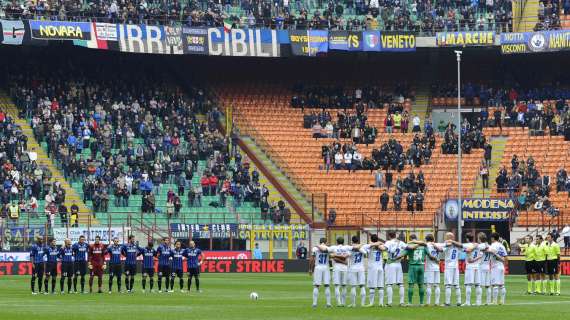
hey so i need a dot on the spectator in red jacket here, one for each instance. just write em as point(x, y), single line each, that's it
point(205, 183)
point(213, 180)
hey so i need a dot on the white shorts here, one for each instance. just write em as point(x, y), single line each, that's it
point(485, 278)
point(432, 277)
point(375, 277)
point(356, 278)
point(394, 274)
point(497, 277)
point(451, 276)
point(472, 276)
point(339, 277)
point(321, 276)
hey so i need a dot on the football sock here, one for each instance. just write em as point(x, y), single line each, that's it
point(458, 294)
point(381, 296)
point(328, 295)
point(468, 294)
point(495, 294)
point(437, 294)
point(401, 294)
point(362, 296)
point(315, 295)
point(551, 285)
point(428, 296)
point(422, 293)
point(447, 295)
point(489, 295)
point(478, 295)
point(529, 286)
point(337, 295)
point(343, 295)
point(558, 286)
point(410, 294)
point(353, 295)
point(390, 294)
point(144, 283)
point(503, 294)
point(371, 295)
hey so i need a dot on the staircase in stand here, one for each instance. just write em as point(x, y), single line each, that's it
point(71, 196)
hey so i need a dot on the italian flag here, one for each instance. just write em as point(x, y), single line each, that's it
point(227, 25)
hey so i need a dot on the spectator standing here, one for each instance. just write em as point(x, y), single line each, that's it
point(301, 251)
point(257, 254)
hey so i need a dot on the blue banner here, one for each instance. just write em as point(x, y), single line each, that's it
point(60, 30)
point(480, 209)
point(345, 40)
point(397, 42)
point(371, 40)
point(204, 231)
point(465, 38)
point(244, 42)
point(532, 42)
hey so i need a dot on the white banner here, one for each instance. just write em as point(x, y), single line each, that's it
point(14, 256)
point(106, 234)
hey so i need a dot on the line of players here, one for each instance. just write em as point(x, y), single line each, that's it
point(542, 259)
point(80, 257)
point(485, 267)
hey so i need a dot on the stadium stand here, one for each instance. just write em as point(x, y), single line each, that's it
point(421, 16)
point(120, 147)
point(267, 109)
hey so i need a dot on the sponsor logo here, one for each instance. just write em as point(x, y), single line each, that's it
point(371, 40)
point(537, 42)
point(12, 32)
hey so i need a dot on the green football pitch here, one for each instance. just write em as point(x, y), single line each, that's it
point(281, 296)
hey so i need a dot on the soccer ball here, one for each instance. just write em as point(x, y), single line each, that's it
point(253, 296)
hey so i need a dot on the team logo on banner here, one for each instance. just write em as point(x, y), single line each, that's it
point(371, 40)
point(106, 31)
point(195, 40)
point(60, 30)
point(537, 42)
point(12, 32)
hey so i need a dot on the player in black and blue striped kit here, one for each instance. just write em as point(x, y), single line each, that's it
point(177, 255)
point(51, 252)
point(80, 249)
point(67, 259)
point(115, 267)
point(148, 254)
point(163, 253)
point(37, 257)
point(194, 260)
point(130, 251)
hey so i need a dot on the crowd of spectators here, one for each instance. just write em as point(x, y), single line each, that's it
point(472, 137)
point(413, 15)
point(25, 182)
point(413, 185)
point(123, 135)
point(548, 15)
point(524, 184)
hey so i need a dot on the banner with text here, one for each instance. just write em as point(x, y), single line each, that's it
point(203, 231)
point(60, 30)
point(279, 232)
point(309, 42)
point(19, 236)
point(483, 209)
point(533, 42)
point(245, 42)
point(345, 40)
point(465, 38)
point(150, 39)
point(195, 40)
point(106, 234)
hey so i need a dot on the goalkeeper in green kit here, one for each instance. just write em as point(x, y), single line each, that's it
point(416, 253)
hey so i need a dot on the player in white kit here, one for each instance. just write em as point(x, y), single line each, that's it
point(432, 274)
point(485, 268)
point(356, 276)
point(451, 250)
point(393, 269)
point(339, 255)
point(472, 271)
point(375, 270)
point(498, 260)
point(319, 268)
